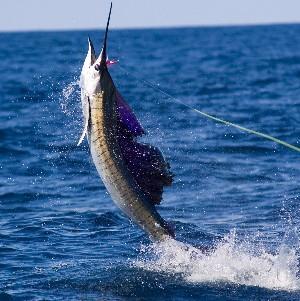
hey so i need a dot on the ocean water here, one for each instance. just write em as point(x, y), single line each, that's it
point(235, 195)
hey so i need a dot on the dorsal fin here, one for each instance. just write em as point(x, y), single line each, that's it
point(127, 118)
point(148, 167)
point(144, 161)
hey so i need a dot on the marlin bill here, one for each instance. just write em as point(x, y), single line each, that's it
point(134, 173)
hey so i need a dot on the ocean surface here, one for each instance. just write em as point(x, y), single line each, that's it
point(235, 194)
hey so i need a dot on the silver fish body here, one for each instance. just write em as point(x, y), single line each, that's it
point(102, 130)
point(117, 179)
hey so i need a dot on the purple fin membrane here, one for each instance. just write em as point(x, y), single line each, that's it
point(127, 118)
point(145, 162)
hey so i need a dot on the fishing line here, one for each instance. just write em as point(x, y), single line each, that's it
point(209, 116)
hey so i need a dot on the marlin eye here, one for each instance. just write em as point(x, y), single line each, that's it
point(97, 67)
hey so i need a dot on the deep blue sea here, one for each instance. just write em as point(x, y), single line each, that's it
point(238, 195)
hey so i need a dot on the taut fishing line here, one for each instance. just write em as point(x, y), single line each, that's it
point(219, 120)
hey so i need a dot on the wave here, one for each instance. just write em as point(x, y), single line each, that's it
point(5, 297)
point(229, 261)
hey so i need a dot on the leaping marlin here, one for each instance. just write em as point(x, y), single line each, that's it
point(134, 173)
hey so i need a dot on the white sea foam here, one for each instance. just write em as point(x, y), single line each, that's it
point(229, 262)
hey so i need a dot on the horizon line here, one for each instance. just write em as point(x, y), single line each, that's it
point(259, 24)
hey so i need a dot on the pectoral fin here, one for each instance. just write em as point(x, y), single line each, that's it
point(86, 116)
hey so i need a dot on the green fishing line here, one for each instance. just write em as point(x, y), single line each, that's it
point(242, 128)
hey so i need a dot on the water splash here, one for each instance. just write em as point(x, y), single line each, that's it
point(230, 261)
point(68, 93)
